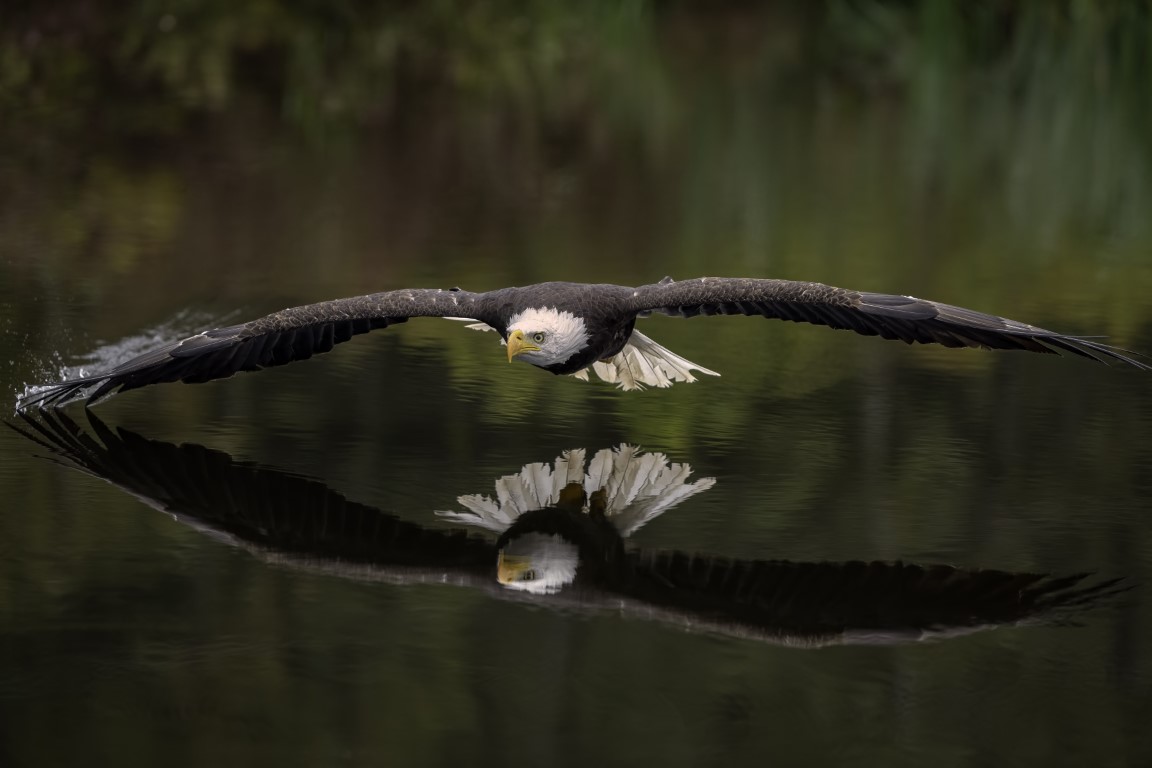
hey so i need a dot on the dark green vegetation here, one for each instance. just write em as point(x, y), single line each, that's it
point(161, 159)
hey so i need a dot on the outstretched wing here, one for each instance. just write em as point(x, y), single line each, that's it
point(292, 334)
point(302, 523)
point(904, 318)
point(814, 604)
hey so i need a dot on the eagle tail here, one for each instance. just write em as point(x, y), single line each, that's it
point(644, 363)
point(637, 488)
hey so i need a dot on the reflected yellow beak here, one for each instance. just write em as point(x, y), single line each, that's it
point(509, 567)
point(517, 345)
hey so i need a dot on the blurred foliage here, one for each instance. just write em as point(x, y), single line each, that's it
point(152, 66)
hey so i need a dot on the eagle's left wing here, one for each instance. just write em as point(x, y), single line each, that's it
point(902, 318)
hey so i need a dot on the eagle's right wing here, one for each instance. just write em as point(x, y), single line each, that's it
point(292, 334)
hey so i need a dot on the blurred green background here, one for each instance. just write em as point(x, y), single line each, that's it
point(167, 165)
point(992, 150)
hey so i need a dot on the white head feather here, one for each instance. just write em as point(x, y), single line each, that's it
point(558, 334)
point(544, 563)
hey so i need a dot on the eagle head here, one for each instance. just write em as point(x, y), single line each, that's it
point(539, 563)
point(545, 336)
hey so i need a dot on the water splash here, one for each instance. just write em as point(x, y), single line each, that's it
point(109, 355)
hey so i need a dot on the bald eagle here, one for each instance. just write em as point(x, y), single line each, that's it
point(571, 328)
point(560, 543)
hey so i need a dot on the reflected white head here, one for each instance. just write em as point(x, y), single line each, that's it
point(545, 337)
point(539, 563)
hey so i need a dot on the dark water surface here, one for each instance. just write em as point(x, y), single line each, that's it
point(130, 637)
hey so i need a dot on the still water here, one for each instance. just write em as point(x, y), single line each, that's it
point(300, 602)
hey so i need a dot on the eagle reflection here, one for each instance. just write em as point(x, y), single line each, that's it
point(560, 542)
point(555, 521)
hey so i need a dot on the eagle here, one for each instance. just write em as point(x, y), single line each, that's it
point(560, 543)
point(572, 328)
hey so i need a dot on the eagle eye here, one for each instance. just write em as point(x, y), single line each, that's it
point(529, 575)
point(538, 337)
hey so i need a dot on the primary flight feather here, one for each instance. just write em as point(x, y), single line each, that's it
point(571, 328)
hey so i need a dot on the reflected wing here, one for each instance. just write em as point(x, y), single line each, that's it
point(304, 523)
point(852, 602)
point(903, 318)
point(273, 512)
point(283, 337)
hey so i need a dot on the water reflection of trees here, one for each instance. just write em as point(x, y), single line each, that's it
point(560, 541)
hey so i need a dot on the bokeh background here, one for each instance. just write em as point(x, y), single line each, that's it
point(170, 165)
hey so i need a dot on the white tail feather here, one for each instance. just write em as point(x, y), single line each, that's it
point(643, 363)
point(637, 486)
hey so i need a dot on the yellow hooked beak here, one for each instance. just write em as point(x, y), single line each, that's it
point(517, 345)
point(509, 567)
